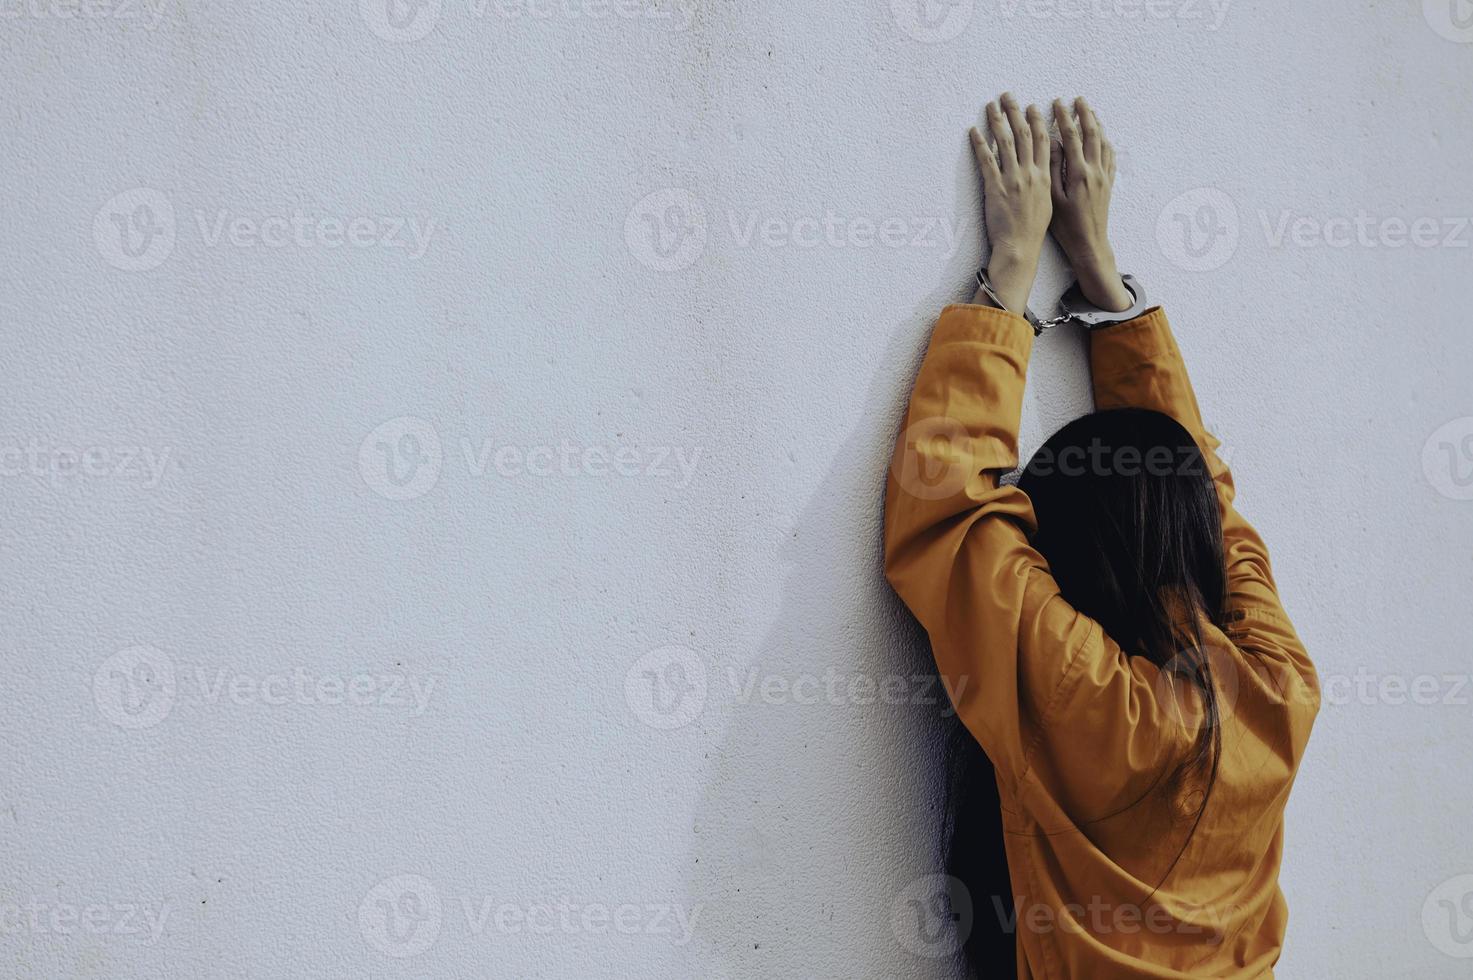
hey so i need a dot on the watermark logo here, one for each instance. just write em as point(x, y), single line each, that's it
point(1452, 19)
point(400, 916)
point(400, 460)
point(666, 688)
point(935, 459)
point(1447, 917)
point(931, 21)
point(1198, 231)
point(134, 688)
point(400, 21)
point(1447, 459)
point(135, 230)
point(666, 230)
point(933, 916)
point(1179, 687)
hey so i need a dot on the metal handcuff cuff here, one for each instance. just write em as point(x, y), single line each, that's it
point(1075, 306)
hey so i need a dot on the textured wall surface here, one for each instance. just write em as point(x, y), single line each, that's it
point(442, 446)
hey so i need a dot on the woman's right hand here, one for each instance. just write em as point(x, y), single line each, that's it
point(1082, 163)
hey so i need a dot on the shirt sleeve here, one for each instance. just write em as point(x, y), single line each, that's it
point(1138, 364)
point(1022, 666)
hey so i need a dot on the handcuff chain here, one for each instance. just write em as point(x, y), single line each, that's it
point(1039, 326)
point(1091, 317)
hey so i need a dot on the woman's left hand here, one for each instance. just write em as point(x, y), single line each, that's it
point(1016, 202)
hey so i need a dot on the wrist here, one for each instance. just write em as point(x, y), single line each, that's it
point(1012, 278)
point(1100, 281)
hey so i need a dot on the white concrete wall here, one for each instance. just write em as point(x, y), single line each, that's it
point(294, 605)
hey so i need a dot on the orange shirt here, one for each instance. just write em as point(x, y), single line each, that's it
point(1082, 733)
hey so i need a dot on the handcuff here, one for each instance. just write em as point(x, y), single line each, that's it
point(1076, 308)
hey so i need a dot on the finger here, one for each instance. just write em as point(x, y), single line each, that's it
point(1007, 153)
point(1022, 135)
point(1090, 127)
point(1039, 129)
point(986, 159)
point(1107, 155)
point(1069, 136)
point(1056, 170)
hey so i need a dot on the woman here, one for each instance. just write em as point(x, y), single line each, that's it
point(1109, 628)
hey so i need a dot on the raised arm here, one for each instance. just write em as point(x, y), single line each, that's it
point(1015, 656)
point(1018, 661)
point(1138, 364)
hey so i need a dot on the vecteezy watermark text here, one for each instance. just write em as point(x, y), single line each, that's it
point(302, 230)
point(667, 230)
point(934, 915)
point(38, 917)
point(1101, 459)
point(1211, 13)
point(403, 915)
point(1199, 230)
point(405, 21)
point(678, 14)
point(147, 12)
point(668, 688)
point(571, 459)
point(1364, 230)
point(138, 688)
point(403, 458)
point(137, 230)
point(57, 464)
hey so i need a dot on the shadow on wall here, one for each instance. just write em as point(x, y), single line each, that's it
point(819, 844)
point(820, 815)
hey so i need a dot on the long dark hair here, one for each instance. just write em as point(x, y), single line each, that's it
point(1128, 521)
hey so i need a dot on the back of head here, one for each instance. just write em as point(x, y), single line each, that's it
point(1128, 520)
